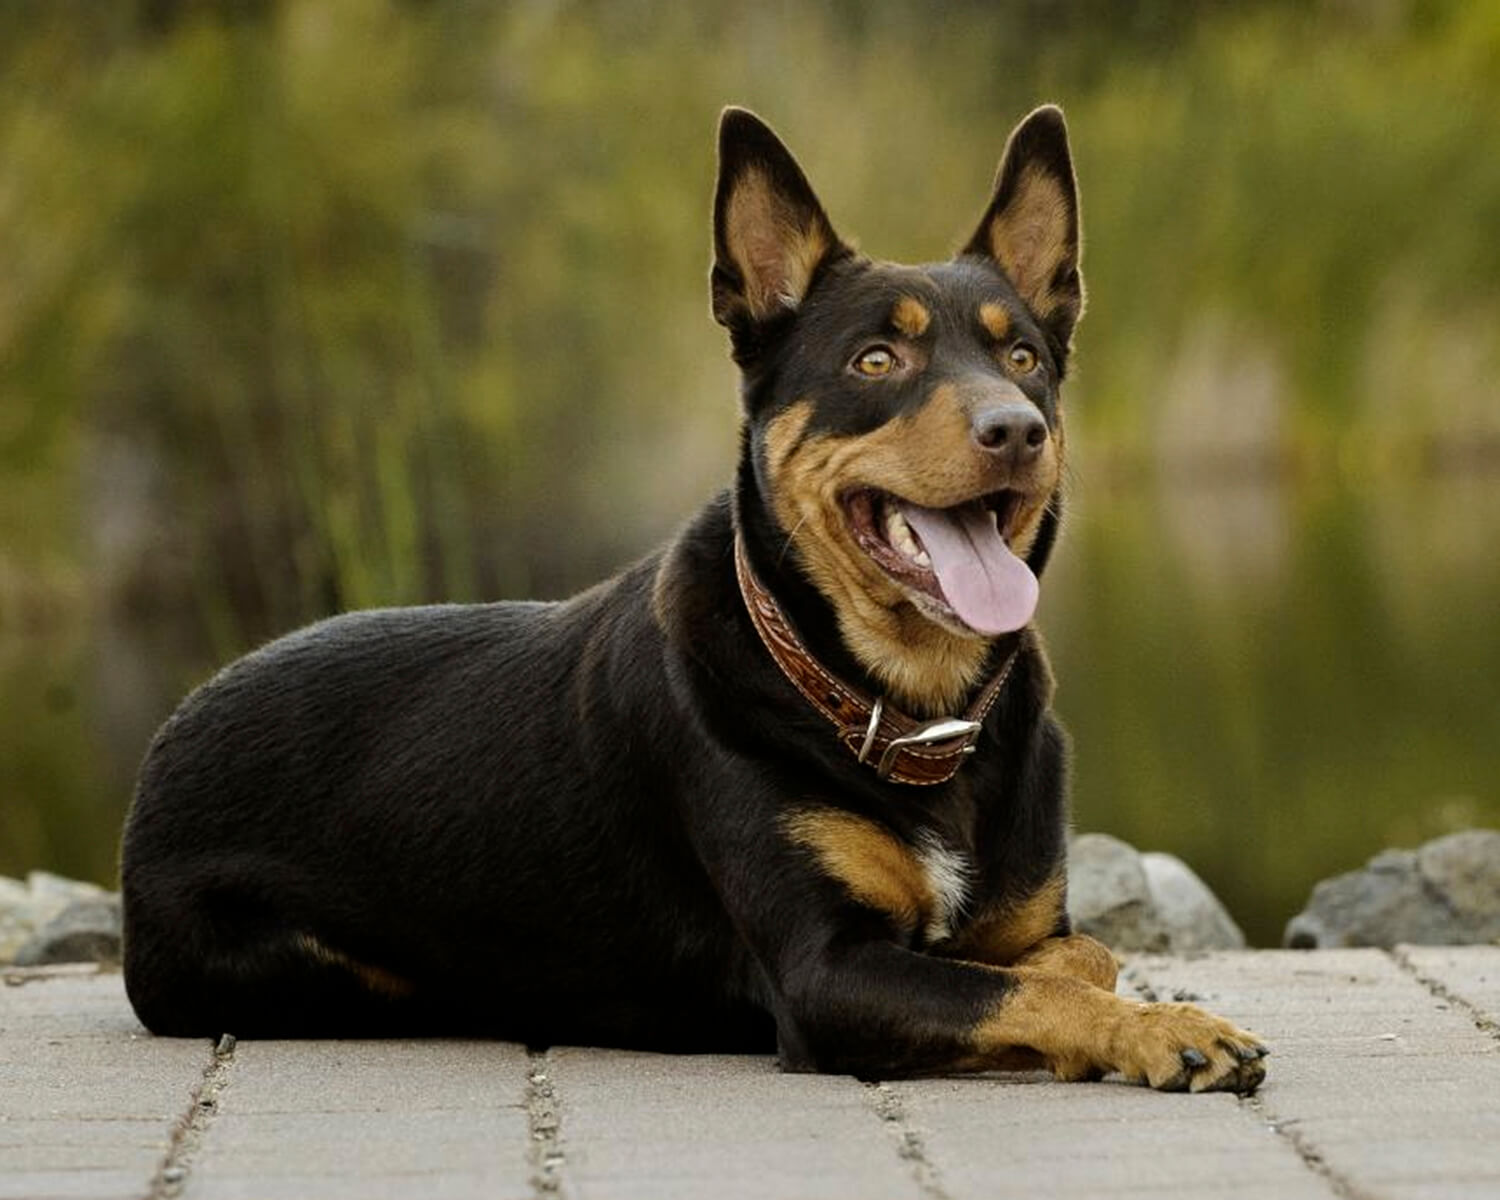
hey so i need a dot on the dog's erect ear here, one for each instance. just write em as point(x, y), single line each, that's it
point(1031, 226)
point(770, 232)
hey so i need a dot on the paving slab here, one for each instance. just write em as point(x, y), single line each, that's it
point(1403, 1100)
point(646, 1127)
point(365, 1119)
point(88, 1099)
point(1468, 974)
point(995, 1137)
point(1384, 1082)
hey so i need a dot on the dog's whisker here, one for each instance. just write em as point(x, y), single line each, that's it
point(787, 545)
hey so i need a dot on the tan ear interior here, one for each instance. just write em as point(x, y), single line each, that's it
point(775, 250)
point(1033, 235)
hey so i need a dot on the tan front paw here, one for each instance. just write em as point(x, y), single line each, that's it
point(1179, 1048)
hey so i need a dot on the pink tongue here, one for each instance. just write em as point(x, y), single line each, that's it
point(990, 589)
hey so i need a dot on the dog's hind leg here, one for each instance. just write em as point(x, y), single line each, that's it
point(212, 968)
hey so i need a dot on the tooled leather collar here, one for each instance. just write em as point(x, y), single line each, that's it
point(898, 747)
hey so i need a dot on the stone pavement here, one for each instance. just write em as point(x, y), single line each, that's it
point(1384, 1082)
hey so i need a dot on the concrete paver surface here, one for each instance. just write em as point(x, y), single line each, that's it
point(1384, 1082)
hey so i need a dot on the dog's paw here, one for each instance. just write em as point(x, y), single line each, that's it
point(1181, 1048)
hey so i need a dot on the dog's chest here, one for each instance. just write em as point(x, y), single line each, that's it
point(949, 875)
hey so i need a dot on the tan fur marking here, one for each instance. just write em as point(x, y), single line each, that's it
point(996, 320)
point(877, 867)
point(1077, 955)
point(928, 457)
point(1069, 1022)
point(783, 433)
point(1029, 237)
point(1001, 935)
point(377, 979)
point(776, 254)
point(910, 317)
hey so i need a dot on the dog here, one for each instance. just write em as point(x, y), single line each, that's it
point(789, 783)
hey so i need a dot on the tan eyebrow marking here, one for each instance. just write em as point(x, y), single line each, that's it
point(995, 319)
point(910, 317)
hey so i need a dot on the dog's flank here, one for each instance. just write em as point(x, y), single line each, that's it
point(790, 782)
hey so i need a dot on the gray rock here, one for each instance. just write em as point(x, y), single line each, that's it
point(1109, 896)
point(1143, 903)
point(15, 917)
point(1196, 920)
point(87, 930)
point(53, 893)
point(1465, 868)
point(1446, 892)
point(27, 907)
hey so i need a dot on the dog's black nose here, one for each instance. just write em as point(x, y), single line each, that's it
point(1013, 429)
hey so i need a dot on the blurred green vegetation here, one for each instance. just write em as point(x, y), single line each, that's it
point(319, 304)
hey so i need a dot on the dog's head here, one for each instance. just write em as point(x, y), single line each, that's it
point(903, 422)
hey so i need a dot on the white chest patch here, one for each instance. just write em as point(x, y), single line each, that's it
point(950, 876)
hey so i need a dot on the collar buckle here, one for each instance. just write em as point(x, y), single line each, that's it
point(941, 729)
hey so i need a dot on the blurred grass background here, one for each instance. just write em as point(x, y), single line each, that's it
point(318, 304)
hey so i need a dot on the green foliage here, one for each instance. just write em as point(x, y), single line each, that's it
point(387, 291)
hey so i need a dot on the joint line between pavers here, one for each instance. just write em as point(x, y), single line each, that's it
point(1283, 1127)
point(1441, 991)
point(544, 1125)
point(192, 1126)
point(887, 1105)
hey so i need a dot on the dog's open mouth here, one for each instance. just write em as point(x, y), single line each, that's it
point(958, 557)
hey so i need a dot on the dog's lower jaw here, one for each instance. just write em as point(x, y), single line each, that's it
point(925, 668)
point(926, 659)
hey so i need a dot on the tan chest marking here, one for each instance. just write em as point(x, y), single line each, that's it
point(922, 888)
point(875, 866)
point(950, 877)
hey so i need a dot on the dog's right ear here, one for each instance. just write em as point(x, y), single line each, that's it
point(770, 233)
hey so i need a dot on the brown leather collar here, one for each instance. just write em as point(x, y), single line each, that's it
point(898, 747)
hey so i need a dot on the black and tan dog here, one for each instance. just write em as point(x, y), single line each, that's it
point(792, 781)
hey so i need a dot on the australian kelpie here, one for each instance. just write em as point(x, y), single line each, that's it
point(790, 782)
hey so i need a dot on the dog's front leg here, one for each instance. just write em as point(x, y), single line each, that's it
point(875, 1008)
point(1076, 955)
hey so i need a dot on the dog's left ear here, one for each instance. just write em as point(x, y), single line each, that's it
point(770, 233)
point(1031, 227)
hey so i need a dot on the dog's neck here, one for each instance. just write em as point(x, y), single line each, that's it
point(898, 747)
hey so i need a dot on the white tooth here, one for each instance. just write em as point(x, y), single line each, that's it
point(922, 558)
point(893, 520)
point(898, 533)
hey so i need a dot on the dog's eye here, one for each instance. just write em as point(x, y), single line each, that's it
point(1022, 358)
point(876, 361)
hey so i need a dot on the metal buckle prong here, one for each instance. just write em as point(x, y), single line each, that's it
point(874, 727)
point(939, 730)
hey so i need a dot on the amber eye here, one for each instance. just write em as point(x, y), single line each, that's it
point(1022, 358)
point(876, 361)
